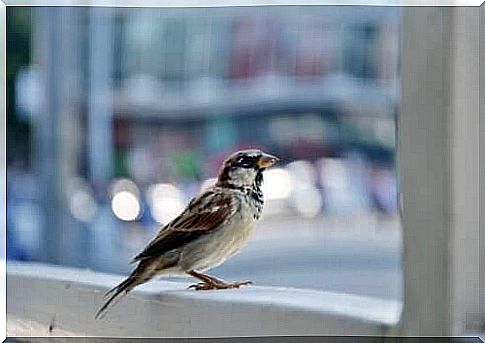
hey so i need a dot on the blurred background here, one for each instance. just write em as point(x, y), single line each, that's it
point(116, 117)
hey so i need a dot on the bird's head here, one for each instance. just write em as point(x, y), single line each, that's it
point(244, 168)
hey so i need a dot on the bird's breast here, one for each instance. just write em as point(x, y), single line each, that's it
point(223, 243)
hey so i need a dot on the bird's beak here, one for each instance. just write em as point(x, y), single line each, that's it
point(267, 161)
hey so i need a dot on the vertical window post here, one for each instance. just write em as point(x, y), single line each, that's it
point(439, 170)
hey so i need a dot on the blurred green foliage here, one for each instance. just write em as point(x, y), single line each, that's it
point(186, 164)
point(19, 28)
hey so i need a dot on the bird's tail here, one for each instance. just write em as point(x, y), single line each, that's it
point(117, 292)
point(140, 275)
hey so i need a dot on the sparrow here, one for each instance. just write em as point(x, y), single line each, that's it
point(214, 226)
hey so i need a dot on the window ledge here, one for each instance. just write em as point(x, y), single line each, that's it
point(65, 299)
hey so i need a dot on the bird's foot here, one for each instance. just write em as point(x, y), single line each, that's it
point(205, 286)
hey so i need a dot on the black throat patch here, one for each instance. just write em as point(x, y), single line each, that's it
point(256, 194)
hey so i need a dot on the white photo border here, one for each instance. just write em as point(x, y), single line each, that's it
point(146, 3)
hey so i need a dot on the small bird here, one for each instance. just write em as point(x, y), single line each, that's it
point(213, 227)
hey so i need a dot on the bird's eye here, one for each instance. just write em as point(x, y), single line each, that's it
point(244, 162)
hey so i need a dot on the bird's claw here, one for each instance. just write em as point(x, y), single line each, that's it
point(241, 283)
point(204, 286)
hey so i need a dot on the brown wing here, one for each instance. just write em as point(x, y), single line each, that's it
point(203, 214)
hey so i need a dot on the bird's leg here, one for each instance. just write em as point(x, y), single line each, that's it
point(205, 278)
point(211, 282)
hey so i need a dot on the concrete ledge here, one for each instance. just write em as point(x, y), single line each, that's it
point(50, 300)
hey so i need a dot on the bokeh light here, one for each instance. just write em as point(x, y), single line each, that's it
point(82, 205)
point(125, 206)
point(277, 184)
point(166, 202)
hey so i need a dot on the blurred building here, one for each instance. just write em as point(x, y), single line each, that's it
point(304, 85)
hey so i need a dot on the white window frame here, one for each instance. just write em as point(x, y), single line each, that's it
point(439, 171)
